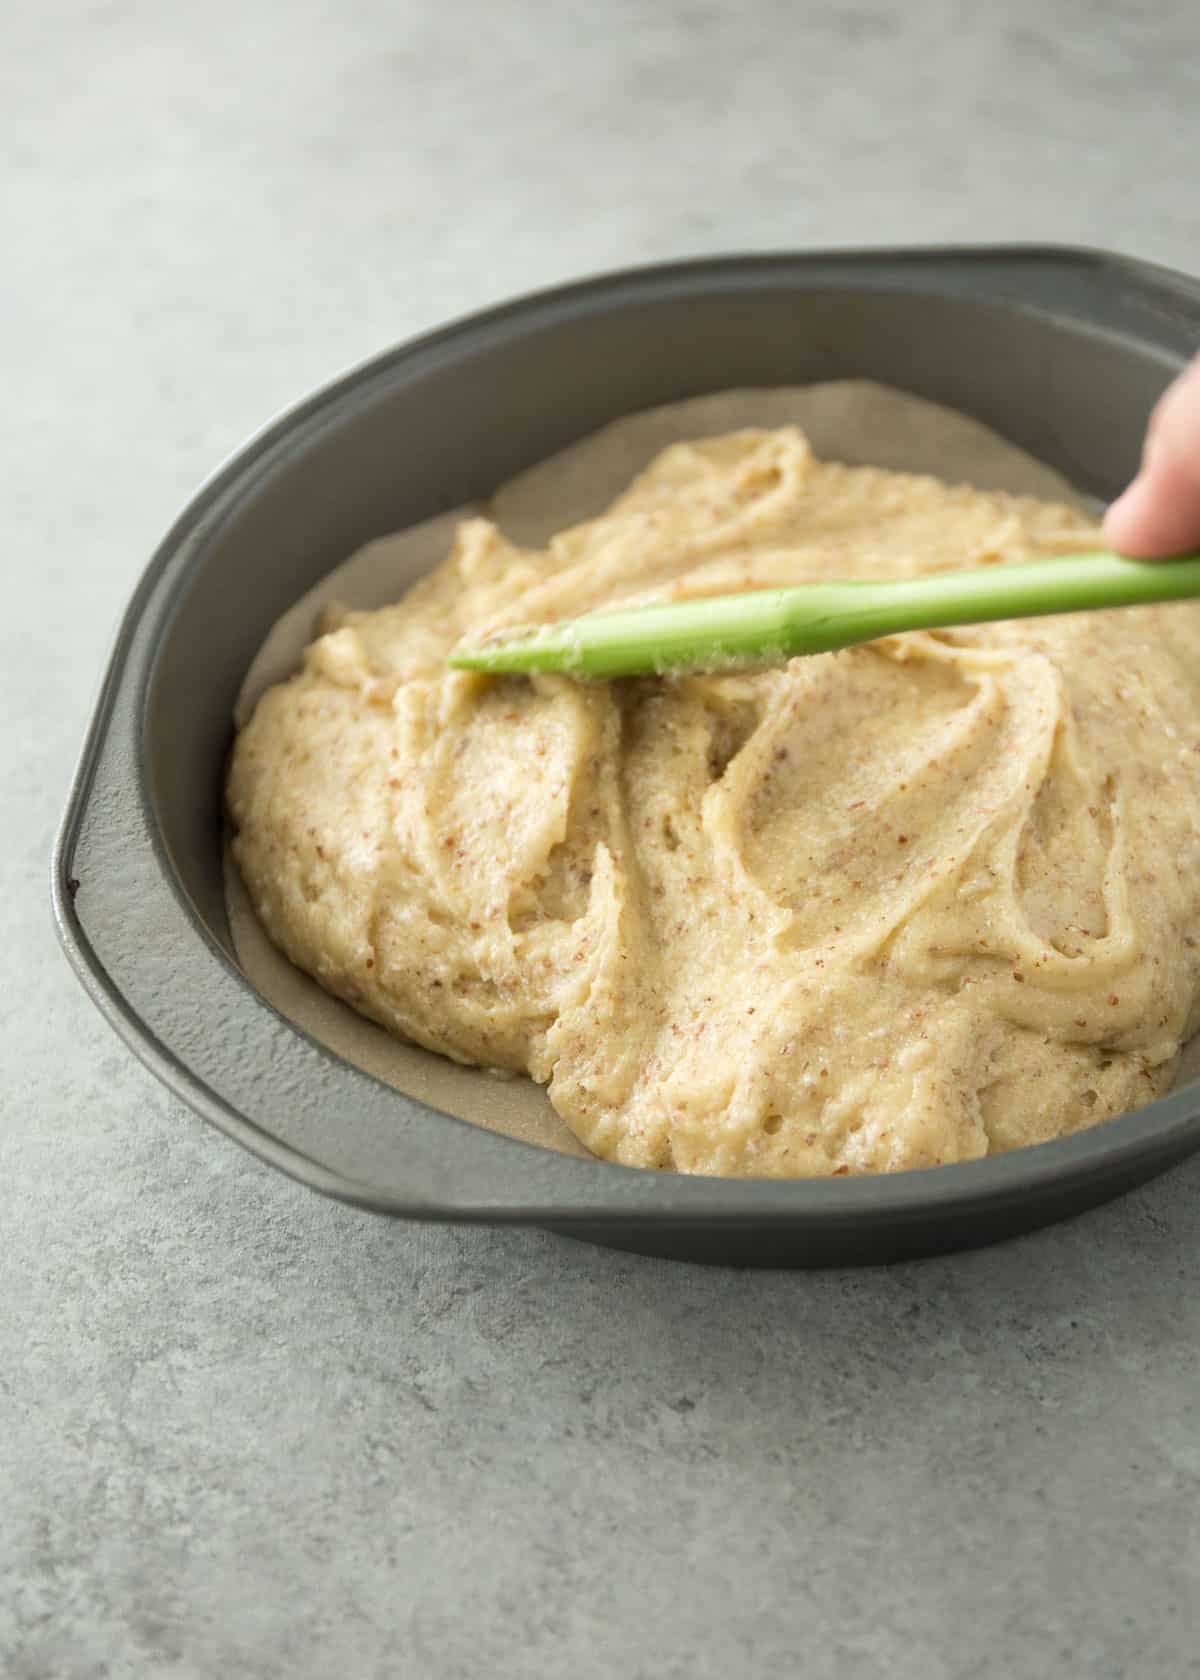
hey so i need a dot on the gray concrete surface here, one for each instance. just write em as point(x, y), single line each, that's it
point(244, 1432)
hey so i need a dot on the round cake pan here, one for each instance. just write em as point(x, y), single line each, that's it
point(1062, 351)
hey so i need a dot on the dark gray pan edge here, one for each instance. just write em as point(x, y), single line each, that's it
point(144, 925)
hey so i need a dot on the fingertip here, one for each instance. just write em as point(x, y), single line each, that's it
point(1128, 523)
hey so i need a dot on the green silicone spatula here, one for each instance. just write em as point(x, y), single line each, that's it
point(765, 626)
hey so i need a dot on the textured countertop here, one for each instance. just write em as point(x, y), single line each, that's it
point(247, 1432)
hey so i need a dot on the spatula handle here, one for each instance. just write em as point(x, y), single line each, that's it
point(764, 626)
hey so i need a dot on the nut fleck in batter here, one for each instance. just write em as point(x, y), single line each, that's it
point(881, 909)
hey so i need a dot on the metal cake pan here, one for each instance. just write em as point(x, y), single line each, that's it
point(1062, 351)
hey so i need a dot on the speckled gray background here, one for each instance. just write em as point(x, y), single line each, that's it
point(244, 1432)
